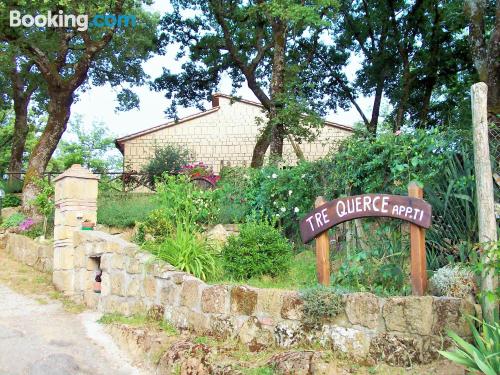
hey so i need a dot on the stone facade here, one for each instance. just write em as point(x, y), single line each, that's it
point(226, 134)
point(27, 251)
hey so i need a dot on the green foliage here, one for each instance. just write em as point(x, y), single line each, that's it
point(183, 203)
point(378, 264)
point(13, 221)
point(483, 356)
point(168, 159)
point(11, 201)
point(321, 304)
point(188, 252)
point(259, 249)
point(301, 274)
point(35, 231)
point(231, 194)
point(452, 194)
point(94, 149)
point(123, 209)
point(388, 163)
point(44, 201)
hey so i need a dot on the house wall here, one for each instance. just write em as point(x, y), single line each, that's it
point(227, 135)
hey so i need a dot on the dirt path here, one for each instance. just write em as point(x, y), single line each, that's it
point(39, 339)
point(42, 333)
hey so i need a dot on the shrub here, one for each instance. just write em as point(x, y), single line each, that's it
point(260, 249)
point(11, 201)
point(13, 221)
point(321, 304)
point(123, 209)
point(483, 355)
point(157, 227)
point(169, 159)
point(187, 252)
point(231, 194)
point(453, 281)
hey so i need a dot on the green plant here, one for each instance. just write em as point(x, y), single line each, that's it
point(169, 159)
point(378, 262)
point(453, 280)
point(13, 221)
point(260, 249)
point(483, 356)
point(188, 252)
point(321, 304)
point(454, 229)
point(183, 203)
point(11, 201)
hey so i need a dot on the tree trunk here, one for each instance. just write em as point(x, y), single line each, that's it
point(277, 87)
point(405, 94)
point(259, 151)
point(21, 130)
point(59, 111)
point(372, 128)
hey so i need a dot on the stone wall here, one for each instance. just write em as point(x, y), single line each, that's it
point(227, 133)
point(397, 330)
point(27, 251)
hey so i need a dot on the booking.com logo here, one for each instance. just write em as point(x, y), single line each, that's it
point(80, 22)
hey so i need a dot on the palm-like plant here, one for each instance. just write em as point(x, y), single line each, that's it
point(484, 356)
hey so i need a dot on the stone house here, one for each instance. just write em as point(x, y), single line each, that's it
point(223, 135)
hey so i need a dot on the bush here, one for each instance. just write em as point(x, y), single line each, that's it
point(169, 159)
point(123, 209)
point(453, 281)
point(260, 249)
point(11, 201)
point(321, 304)
point(187, 252)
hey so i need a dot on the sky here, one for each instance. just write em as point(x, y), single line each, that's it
point(98, 103)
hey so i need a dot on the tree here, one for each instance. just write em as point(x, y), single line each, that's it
point(254, 42)
point(92, 149)
point(484, 37)
point(68, 58)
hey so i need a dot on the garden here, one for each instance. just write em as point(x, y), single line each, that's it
point(242, 227)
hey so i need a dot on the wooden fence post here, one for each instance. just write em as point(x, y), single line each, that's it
point(322, 252)
point(484, 191)
point(417, 249)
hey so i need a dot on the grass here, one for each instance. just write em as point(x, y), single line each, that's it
point(302, 274)
point(139, 320)
point(123, 210)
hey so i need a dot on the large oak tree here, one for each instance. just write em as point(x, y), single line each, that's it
point(69, 59)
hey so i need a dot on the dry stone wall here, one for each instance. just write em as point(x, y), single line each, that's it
point(27, 251)
point(397, 330)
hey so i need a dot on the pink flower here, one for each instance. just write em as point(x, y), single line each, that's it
point(397, 132)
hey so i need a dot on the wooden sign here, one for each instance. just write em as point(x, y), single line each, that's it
point(414, 210)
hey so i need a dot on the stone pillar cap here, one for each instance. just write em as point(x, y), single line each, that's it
point(77, 171)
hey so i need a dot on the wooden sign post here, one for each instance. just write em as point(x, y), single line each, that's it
point(322, 252)
point(417, 249)
point(412, 209)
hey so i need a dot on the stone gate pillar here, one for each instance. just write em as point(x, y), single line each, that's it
point(75, 202)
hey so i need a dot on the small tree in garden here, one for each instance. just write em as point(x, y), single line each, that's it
point(44, 201)
point(169, 159)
